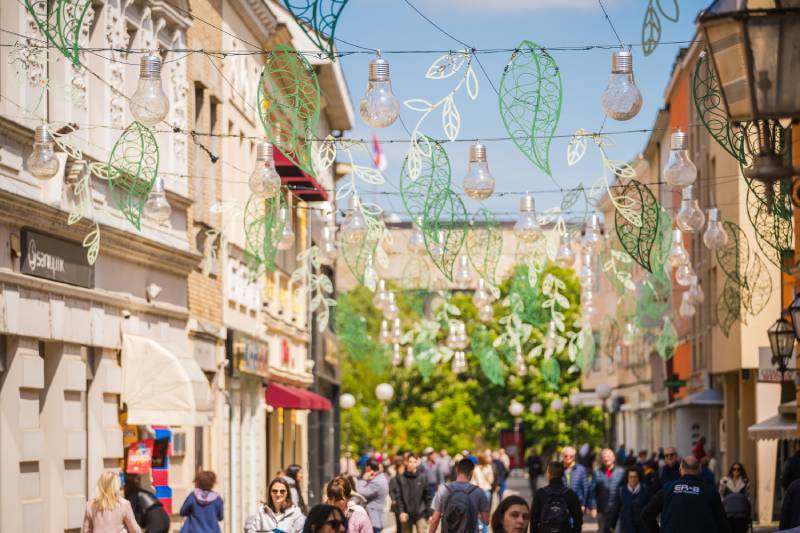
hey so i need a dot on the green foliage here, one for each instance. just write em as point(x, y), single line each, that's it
point(466, 410)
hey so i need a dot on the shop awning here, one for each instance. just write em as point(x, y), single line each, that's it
point(289, 397)
point(706, 398)
point(777, 427)
point(302, 184)
point(163, 385)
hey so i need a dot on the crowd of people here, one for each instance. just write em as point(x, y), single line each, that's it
point(430, 492)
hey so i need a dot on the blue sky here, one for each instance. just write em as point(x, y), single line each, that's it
point(393, 25)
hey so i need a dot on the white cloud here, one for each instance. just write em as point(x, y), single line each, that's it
point(512, 6)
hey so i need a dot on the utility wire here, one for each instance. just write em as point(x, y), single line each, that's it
point(610, 23)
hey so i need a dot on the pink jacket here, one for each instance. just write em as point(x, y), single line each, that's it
point(357, 519)
point(118, 520)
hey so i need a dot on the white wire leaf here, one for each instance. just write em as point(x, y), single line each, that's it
point(92, 243)
point(576, 148)
point(345, 190)
point(326, 154)
point(451, 119)
point(446, 66)
point(621, 169)
point(419, 104)
point(99, 170)
point(372, 210)
point(369, 175)
point(414, 161)
point(472, 83)
point(423, 144)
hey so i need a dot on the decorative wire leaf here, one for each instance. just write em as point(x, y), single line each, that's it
point(769, 209)
point(708, 102)
point(61, 23)
point(530, 98)
point(263, 227)
point(638, 241)
point(446, 65)
point(433, 177)
point(670, 16)
point(576, 148)
point(571, 197)
point(444, 226)
point(651, 29)
point(733, 257)
point(654, 300)
point(317, 19)
point(351, 330)
point(325, 155)
point(551, 372)
point(587, 349)
point(481, 344)
point(485, 244)
point(132, 169)
point(728, 306)
point(289, 104)
point(663, 242)
point(451, 118)
point(756, 293)
point(357, 255)
point(472, 83)
point(667, 340)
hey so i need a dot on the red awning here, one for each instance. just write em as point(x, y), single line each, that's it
point(299, 182)
point(289, 397)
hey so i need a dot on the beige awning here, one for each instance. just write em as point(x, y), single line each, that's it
point(163, 386)
point(778, 427)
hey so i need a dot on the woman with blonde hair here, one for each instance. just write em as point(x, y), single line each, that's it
point(109, 512)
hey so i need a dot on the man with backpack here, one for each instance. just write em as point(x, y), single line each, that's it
point(556, 508)
point(459, 505)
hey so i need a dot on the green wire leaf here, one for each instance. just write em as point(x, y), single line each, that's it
point(317, 19)
point(530, 96)
point(485, 244)
point(734, 256)
point(289, 105)
point(651, 29)
point(434, 176)
point(551, 372)
point(61, 23)
point(638, 240)
point(667, 340)
point(263, 227)
point(444, 227)
point(481, 344)
point(132, 169)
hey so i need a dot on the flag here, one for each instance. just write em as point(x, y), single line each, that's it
point(378, 159)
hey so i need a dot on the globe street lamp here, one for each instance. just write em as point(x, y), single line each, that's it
point(515, 409)
point(603, 392)
point(384, 392)
point(556, 405)
point(536, 408)
point(752, 44)
point(346, 402)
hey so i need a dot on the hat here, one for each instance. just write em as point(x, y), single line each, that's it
point(428, 451)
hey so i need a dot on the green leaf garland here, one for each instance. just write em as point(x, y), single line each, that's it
point(485, 244)
point(263, 227)
point(61, 23)
point(638, 240)
point(132, 169)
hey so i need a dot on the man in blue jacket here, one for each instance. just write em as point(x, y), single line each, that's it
point(604, 489)
point(687, 505)
point(575, 476)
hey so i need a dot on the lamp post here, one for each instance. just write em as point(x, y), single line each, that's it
point(603, 392)
point(751, 46)
point(346, 402)
point(515, 409)
point(781, 342)
point(384, 392)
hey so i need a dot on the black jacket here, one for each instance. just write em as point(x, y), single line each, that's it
point(687, 505)
point(534, 464)
point(411, 495)
point(544, 494)
point(668, 474)
point(790, 471)
point(627, 509)
point(148, 511)
point(500, 472)
point(790, 510)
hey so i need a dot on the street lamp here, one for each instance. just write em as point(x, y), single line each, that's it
point(753, 48)
point(556, 405)
point(536, 408)
point(781, 343)
point(346, 402)
point(575, 399)
point(603, 392)
point(384, 392)
point(515, 409)
point(794, 313)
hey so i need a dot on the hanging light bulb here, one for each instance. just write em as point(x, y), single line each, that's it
point(459, 364)
point(416, 241)
point(391, 311)
point(265, 182)
point(592, 240)
point(586, 274)
point(565, 257)
point(695, 292)
point(631, 334)
point(328, 250)
point(157, 208)
point(527, 227)
point(481, 296)
point(622, 99)
point(690, 217)
point(684, 274)
point(397, 355)
point(686, 310)
point(287, 234)
point(715, 236)
point(486, 313)
point(520, 364)
point(42, 163)
point(379, 107)
point(437, 247)
point(462, 336)
point(149, 105)
point(354, 226)
point(383, 336)
point(677, 253)
point(370, 275)
point(381, 297)
point(478, 183)
point(679, 170)
point(396, 333)
point(409, 361)
point(462, 276)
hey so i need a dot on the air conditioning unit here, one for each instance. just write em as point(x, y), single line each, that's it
point(178, 443)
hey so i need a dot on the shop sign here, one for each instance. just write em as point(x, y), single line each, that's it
point(768, 371)
point(250, 356)
point(52, 258)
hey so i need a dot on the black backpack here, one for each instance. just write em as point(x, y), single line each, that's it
point(555, 517)
point(459, 514)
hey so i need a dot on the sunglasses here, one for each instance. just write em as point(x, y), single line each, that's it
point(278, 491)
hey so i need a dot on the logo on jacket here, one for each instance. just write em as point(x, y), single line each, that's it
point(686, 489)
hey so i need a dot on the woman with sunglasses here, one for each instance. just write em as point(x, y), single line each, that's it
point(324, 518)
point(734, 489)
point(279, 515)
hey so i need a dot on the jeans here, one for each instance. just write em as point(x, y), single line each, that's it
point(485, 527)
